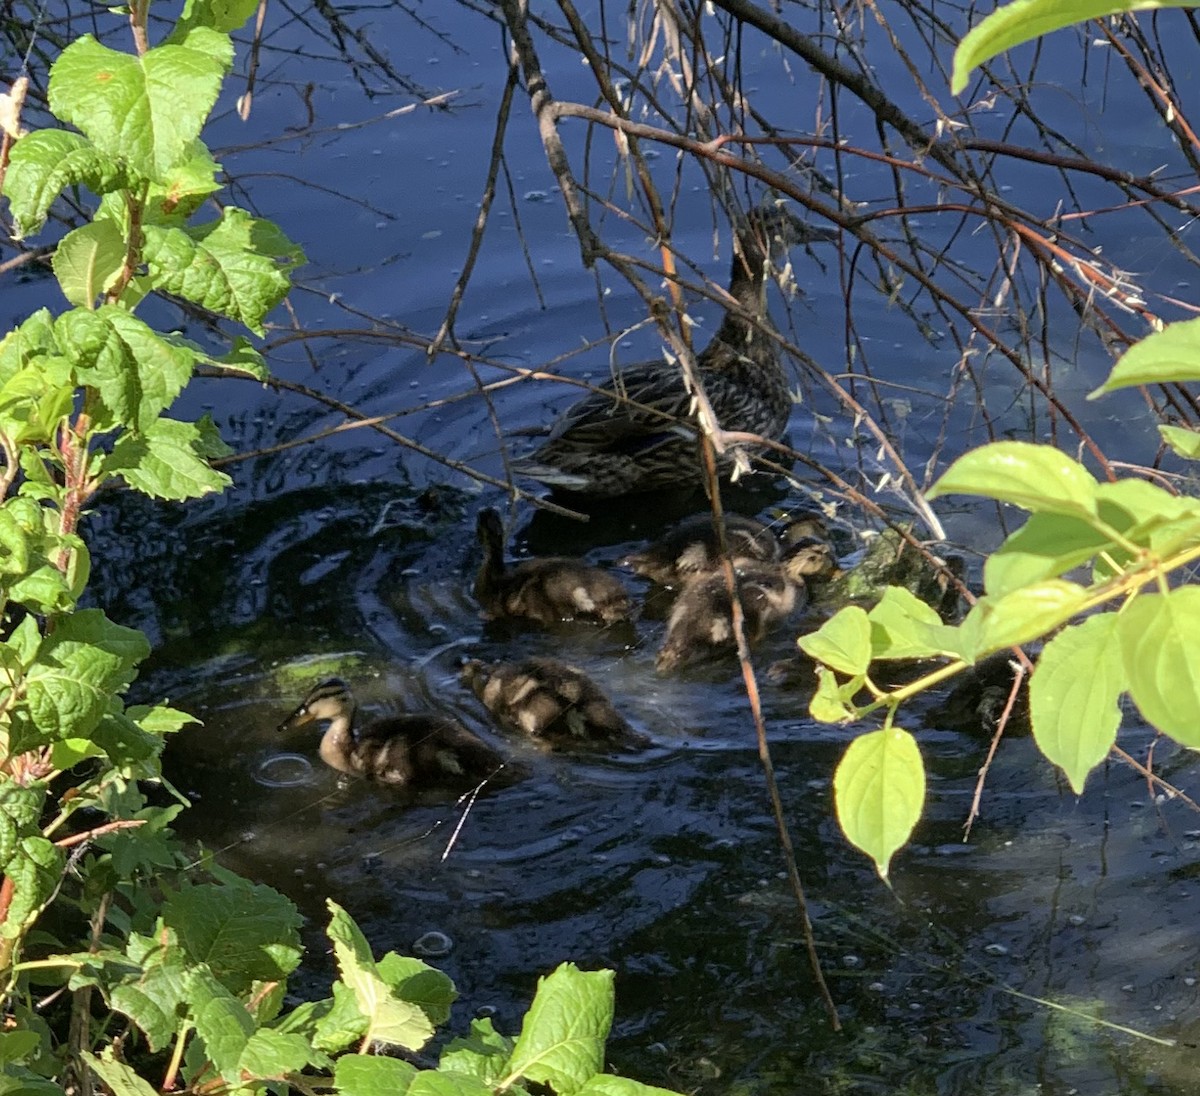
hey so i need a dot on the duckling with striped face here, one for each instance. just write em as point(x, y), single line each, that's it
point(692, 547)
point(403, 751)
point(547, 590)
point(701, 620)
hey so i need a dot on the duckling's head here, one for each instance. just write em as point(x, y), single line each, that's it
point(331, 699)
point(803, 527)
point(809, 557)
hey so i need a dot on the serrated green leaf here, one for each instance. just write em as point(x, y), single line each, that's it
point(879, 793)
point(184, 189)
point(843, 641)
point(1183, 442)
point(44, 590)
point(88, 261)
point(1074, 696)
point(1037, 478)
point(390, 1020)
point(1025, 614)
point(31, 340)
point(147, 110)
point(341, 1024)
point(221, 1021)
point(241, 930)
point(273, 1055)
point(371, 1075)
point(483, 1054)
point(122, 1079)
point(156, 997)
point(164, 461)
point(158, 719)
point(44, 164)
point(1025, 20)
point(84, 661)
point(34, 871)
point(563, 1034)
point(415, 981)
point(1169, 356)
point(243, 358)
point(1160, 641)
point(222, 15)
point(35, 400)
point(236, 266)
point(431, 1083)
point(136, 372)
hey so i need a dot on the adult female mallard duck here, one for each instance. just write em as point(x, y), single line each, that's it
point(552, 702)
point(639, 432)
point(545, 590)
point(411, 750)
point(701, 620)
point(692, 547)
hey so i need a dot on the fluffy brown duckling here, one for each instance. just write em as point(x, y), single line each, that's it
point(552, 702)
point(701, 620)
point(545, 590)
point(411, 750)
point(692, 548)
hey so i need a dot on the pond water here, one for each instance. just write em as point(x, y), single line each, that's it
point(994, 965)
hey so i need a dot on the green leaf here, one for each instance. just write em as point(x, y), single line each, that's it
point(605, 1084)
point(82, 663)
point(415, 981)
point(1035, 477)
point(1171, 355)
point(165, 461)
point(122, 1079)
point(1160, 640)
point(1022, 615)
point(903, 626)
point(34, 871)
point(1046, 546)
point(831, 703)
point(1183, 442)
point(341, 1023)
point(88, 261)
point(843, 641)
point(879, 792)
point(146, 111)
point(563, 1034)
point(33, 340)
point(136, 372)
point(221, 1021)
point(222, 15)
point(236, 266)
point(1075, 694)
point(1025, 20)
point(370, 1075)
point(156, 997)
point(273, 1055)
point(183, 189)
point(430, 1083)
point(16, 1046)
point(44, 164)
point(390, 1020)
point(243, 358)
point(241, 930)
point(36, 399)
point(483, 1054)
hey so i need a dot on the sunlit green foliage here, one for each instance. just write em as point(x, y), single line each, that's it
point(191, 963)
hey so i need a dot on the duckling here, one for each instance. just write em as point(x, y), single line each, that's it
point(639, 432)
point(402, 751)
point(552, 702)
point(692, 547)
point(545, 590)
point(701, 620)
point(796, 529)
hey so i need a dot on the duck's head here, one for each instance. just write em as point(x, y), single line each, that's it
point(809, 557)
point(331, 699)
point(489, 527)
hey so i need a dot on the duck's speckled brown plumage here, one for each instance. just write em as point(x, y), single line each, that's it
point(545, 590)
point(414, 750)
point(638, 434)
point(551, 702)
point(701, 620)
